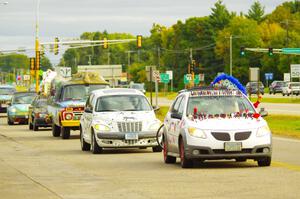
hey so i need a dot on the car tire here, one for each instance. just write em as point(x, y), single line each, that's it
point(65, 132)
point(283, 94)
point(55, 130)
point(264, 162)
point(96, 149)
point(156, 149)
point(30, 126)
point(185, 162)
point(167, 159)
point(34, 126)
point(84, 145)
point(9, 122)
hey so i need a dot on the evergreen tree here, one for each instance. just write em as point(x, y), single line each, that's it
point(256, 12)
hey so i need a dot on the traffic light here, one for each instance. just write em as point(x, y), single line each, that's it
point(139, 41)
point(37, 60)
point(271, 52)
point(105, 43)
point(42, 50)
point(242, 51)
point(56, 46)
point(31, 62)
point(193, 66)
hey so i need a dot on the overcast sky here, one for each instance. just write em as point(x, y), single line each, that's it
point(69, 18)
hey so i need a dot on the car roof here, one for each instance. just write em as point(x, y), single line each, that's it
point(116, 91)
point(7, 86)
point(188, 91)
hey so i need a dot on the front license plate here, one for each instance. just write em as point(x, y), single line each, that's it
point(4, 105)
point(131, 136)
point(233, 146)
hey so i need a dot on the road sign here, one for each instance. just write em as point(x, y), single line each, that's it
point(65, 71)
point(26, 77)
point(187, 78)
point(170, 73)
point(196, 79)
point(156, 75)
point(287, 77)
point(164, 78)
point(269, 76)
point(254, 74)
point(201, 77)
point(295, 70)
point(291, 50)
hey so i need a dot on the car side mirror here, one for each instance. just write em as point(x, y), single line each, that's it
point(176, 116)
point(88, 110)
point(155, 108)
point(263, 112)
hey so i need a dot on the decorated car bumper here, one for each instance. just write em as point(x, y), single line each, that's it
point(229, 145)
point(70, 123)
point(127, 140)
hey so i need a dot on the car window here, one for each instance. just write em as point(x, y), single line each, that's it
point(181, 106)
point(122, 103)
point(176, 104)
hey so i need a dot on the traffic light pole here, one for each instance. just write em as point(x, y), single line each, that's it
point(37, 53)
point(230, 56)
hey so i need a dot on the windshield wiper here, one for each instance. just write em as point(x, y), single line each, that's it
point(130, 110)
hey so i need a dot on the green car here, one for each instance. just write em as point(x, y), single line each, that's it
point(18, 110)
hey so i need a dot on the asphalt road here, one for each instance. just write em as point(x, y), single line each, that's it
point(36, 165)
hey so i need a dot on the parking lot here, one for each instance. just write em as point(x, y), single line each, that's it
point(37, 165)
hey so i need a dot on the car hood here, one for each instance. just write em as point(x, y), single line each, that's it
point(124, 116)
point(5, 97)
point(72, 103)
point(229, 124)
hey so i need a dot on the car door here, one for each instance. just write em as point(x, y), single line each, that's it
point(84, 120)
point(173, 120)
point(178, 123)
point(89, 116)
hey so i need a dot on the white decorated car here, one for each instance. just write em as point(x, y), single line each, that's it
point(118, 118)
point(210, 123)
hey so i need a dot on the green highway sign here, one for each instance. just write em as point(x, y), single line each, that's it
point(164, 78)
point(196, 79)
point(291, 50)
point(187, 78)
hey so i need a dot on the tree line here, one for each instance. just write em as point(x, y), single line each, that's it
point(207, 40)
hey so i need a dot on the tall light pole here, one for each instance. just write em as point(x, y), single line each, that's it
point(37, 50)
point(230, 55)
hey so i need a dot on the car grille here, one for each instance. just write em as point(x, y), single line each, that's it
point(242, 135)
point(130, 126)
point(77, 115)
point(221, 136)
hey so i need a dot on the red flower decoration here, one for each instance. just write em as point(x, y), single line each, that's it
point(256, 115)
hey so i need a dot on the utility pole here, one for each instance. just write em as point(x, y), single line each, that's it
point(158, 57)
point(37, 50)
point(108, 58)
point(230, 56)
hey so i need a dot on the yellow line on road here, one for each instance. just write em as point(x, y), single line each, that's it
point(286, 165)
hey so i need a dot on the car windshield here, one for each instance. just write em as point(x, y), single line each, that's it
point(79, 92)
point(219, 105)
point(23, 98)
point(6, 91)
point(253, 84)
point(41, 103)
point(295, 84)
point(137, 86)
point(122, 103)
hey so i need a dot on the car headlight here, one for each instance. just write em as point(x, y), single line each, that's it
point(262, 131)
point(196, 132)
point(101, 127)
point(155, 126)
point(13, 110)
